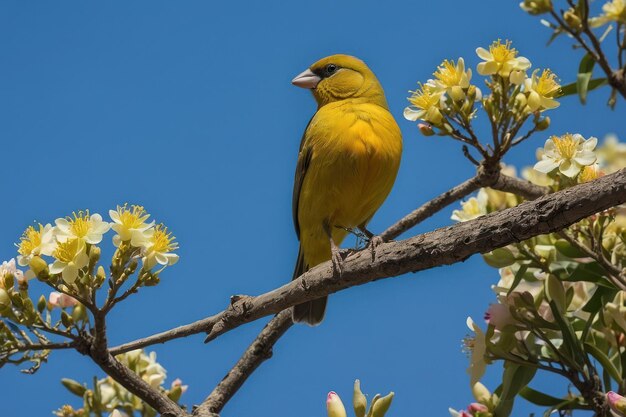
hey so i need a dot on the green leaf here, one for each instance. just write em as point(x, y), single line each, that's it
point(565, 248)
point(499, 258)
point(539, 398)
point(571, 89)
point(518, 277)
point(570, 342)
point(599, 299)
point(585, 69)
point(604, 360)
point(591, 272)
point(514, 378)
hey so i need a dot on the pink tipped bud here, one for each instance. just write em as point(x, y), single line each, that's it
point(179, 383)
point(426, 130)
point(61, 300)
point(477, 408)
point(334, 406)
point(616, 402)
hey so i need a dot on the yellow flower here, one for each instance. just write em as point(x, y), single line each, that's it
point(159, 248)
point(589, 173)
point(36, 240)
point(70, 258)
point(614, 11)
point(82, 225)
point(130, 225)
point(426, 105)
point(501, 59)
point(452, 78)
point(472, 208)
point(569, 153)
point(542, 90)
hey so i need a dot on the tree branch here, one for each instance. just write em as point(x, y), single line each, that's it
point(443, 246)
point(259, 351)
point(433, 206)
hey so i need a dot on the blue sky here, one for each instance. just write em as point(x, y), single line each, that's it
point(187, 108)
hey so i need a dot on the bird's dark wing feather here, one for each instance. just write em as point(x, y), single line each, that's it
point(304, 158)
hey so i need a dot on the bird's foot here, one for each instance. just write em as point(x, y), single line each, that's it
point(373, 243)
point(337, 257)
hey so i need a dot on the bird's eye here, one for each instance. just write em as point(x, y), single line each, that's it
point(331, 68)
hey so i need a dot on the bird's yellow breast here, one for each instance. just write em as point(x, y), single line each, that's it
point(355, 154)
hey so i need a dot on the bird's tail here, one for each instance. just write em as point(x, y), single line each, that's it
point(311, 312)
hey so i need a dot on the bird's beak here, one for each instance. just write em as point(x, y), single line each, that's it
point(306, 79)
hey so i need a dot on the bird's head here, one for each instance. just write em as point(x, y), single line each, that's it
point(340, 77)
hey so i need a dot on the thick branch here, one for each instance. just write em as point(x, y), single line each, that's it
point(259, 351)
point(443, 246)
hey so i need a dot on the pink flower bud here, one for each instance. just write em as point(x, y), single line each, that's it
point(334, 406)
point(61, 300)
point(616, 402)
point(477, 408)
point(425, 129)
point(179, 383)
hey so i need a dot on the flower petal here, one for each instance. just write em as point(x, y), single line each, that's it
point(546, 165)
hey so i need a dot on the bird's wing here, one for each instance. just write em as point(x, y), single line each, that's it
point(304, 158)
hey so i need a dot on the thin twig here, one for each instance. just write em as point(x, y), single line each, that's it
point(431, 207)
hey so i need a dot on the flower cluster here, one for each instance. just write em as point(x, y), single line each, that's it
point(377, 408)
point(447, 104)
point(560, 303)
point(450, 89)
point(72, 243)
point(109, 396)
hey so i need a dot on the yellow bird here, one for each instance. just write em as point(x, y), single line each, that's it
point(348, 161)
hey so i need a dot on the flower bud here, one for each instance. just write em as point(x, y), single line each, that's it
point(517, 77)
point(100, 276)
point(477, 408)
point(616, 402)
point(74, 387)
point(536, 7)
point(359, 402)
point(542, 124)
point(457, 93)
point(380, 407)
point(5, 300)
point(41, 304)
point(426, 130)
point(481, 393)
point(39, 268)
point(79, 313)
point(94, 256)
point(520, 100)
point(334, 406)
point(66, 319)
point(572, 19)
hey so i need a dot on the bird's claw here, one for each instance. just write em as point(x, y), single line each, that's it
point(373, 244)
point(337, 260)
